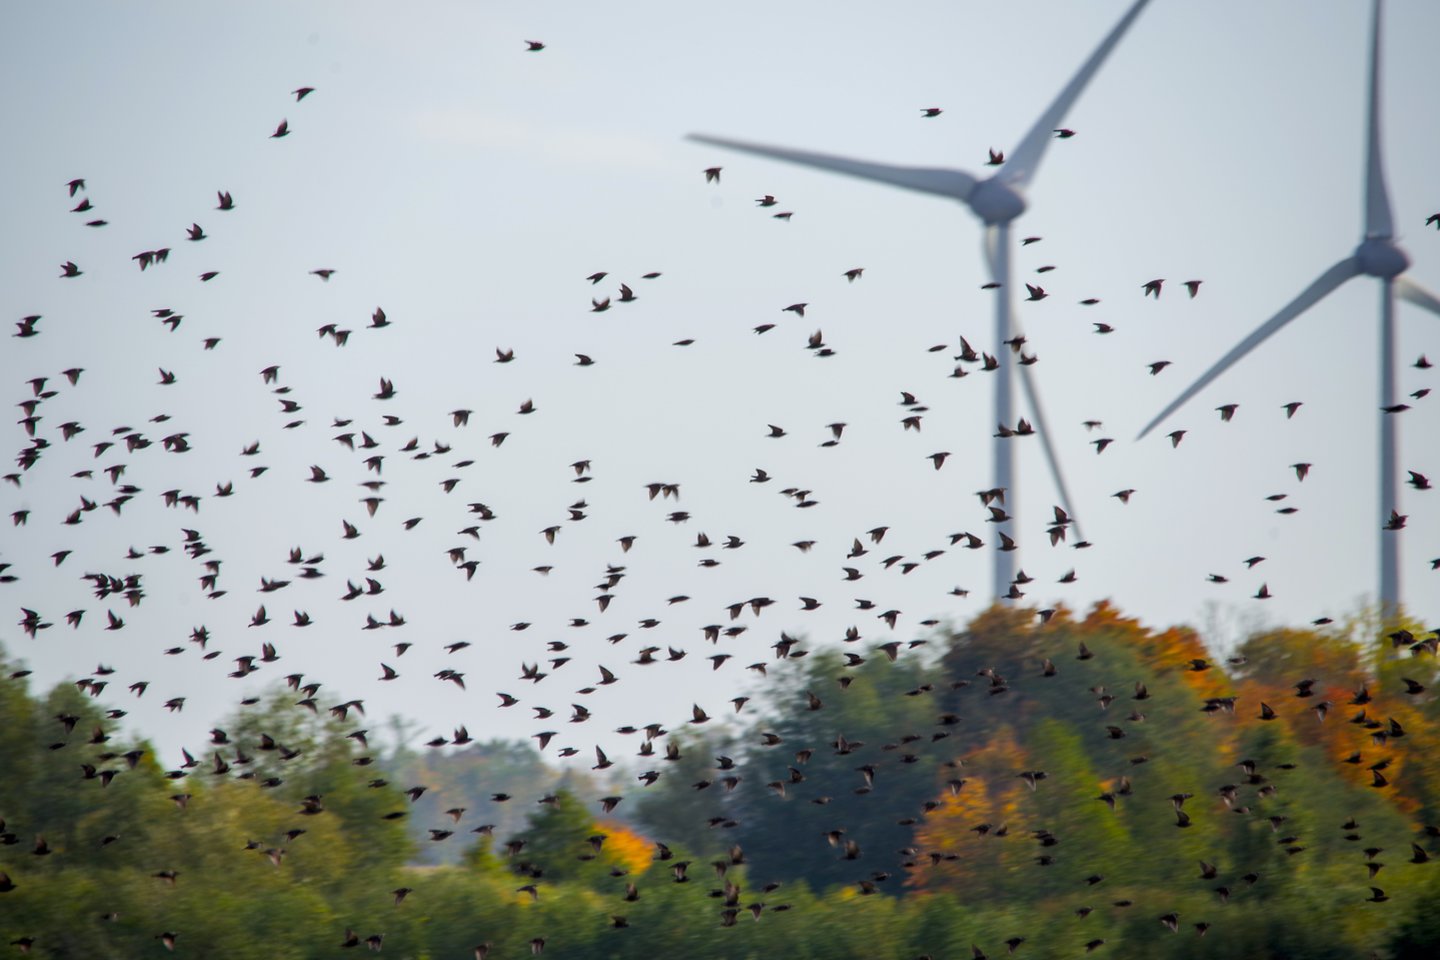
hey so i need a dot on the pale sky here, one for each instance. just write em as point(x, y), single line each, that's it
point(468, 187)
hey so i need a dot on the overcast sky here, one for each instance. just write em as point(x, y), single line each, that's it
point(469, 186)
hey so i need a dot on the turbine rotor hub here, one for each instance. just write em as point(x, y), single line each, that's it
point(1380, 257)
point(995, 202)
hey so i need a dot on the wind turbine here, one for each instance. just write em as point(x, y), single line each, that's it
point(997, 200)
point(1377, 256)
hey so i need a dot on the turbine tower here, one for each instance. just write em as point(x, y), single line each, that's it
point(1377, 256)
point(997, 200)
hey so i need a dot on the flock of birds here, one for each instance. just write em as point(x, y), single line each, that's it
point(122, 453)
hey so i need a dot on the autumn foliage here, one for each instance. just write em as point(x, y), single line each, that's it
point(1027, 783)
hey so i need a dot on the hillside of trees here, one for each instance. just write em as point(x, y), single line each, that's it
point(1050, 788)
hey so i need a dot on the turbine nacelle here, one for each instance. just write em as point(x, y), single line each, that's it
point(1376, 256)
point(1380, 257)
point(995, 202)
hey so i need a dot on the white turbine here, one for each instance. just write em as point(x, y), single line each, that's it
point(997, 201)
point(1377, 256)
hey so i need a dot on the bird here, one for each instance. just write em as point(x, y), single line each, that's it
point(1152, 288)
point(283, 130)
point(534, 46)
point(712, 174)
point(621, 593)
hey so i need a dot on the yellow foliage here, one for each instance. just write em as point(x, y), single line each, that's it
point(630, 850)
point(959, 845)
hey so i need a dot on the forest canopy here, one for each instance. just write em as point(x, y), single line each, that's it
point(1050, 786)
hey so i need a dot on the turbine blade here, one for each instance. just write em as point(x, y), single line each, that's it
point(1412, 292)
point(1032, 394)
point(1378, 221)
point(1024, 160)
point(990, 244)
point(1312, 295)
point(955, 184)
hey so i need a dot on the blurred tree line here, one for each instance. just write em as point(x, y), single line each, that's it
point(1048, 787)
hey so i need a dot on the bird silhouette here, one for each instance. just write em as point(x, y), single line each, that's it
point(926, 767)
